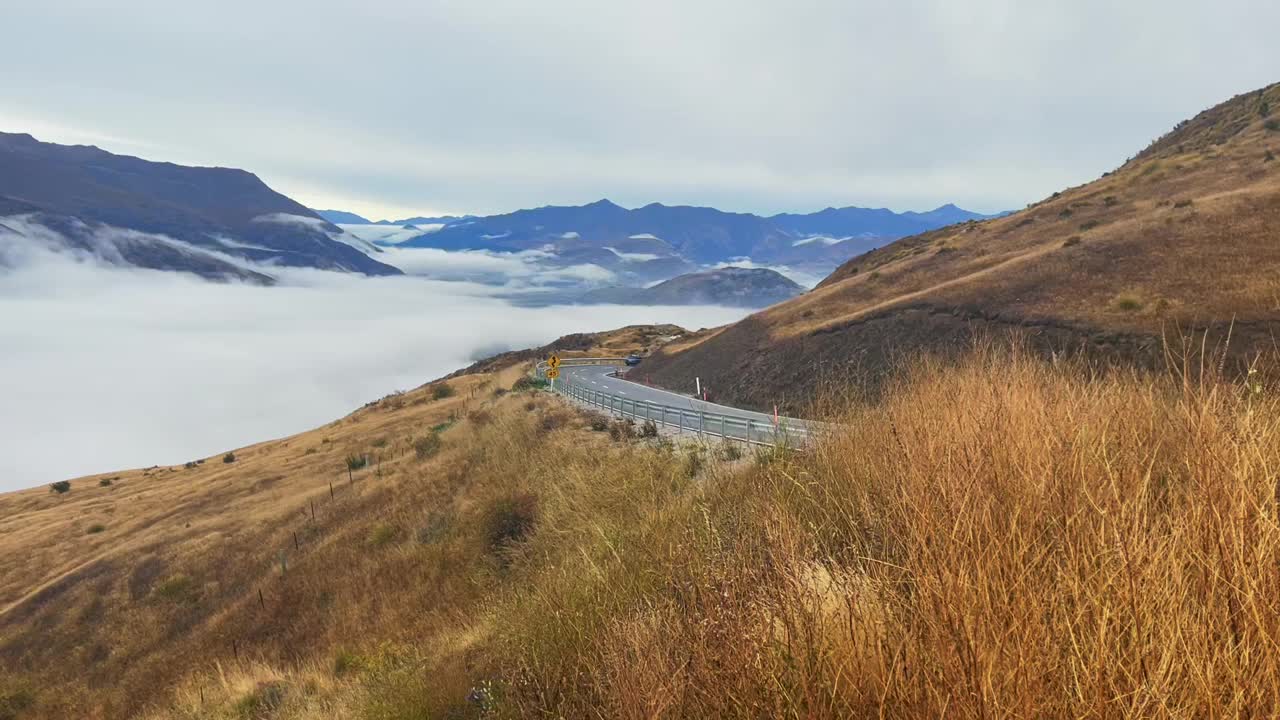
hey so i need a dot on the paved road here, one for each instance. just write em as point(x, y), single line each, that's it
point(597, 377)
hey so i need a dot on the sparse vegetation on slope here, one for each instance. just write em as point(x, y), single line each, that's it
point(993, 536)
point(1188, 226)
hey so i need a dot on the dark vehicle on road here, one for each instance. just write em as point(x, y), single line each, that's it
point(633, 360)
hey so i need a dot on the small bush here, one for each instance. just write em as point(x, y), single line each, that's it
point(95, 528)
point(648, 429)
point(178, 588)
point(104, 482)
point(1066, 213)
point(599, 423)
point(1088, 225)
point(499, 392)
point(1072, 241)
point(426, 446)
point(356, 462)
point(480, 418)
point(442, 390)
point(381, 534)
point(1128, 302)
point(693, 462)
point(1185, 202)
point(873, 275)
point(1110, 201)
point(60, 487)
point(1269, 156)
point(551, 421)
point(510, 519)
point(1272, 125)
point(622, 430)
point(1264, 109)
point(263, 701)
point(380, 442)
point(729, 451)
point(346, 662)
point(14, 700)
point(229, 458)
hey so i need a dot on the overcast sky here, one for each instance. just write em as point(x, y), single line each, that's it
point(398, 107)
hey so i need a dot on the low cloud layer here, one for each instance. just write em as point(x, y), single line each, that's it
point(109, 368)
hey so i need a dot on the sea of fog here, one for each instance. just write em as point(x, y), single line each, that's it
point(105, 368)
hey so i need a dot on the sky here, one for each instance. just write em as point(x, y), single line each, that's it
point(106, 368)
point(393, 108)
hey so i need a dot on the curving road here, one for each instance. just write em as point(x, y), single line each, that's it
point(689, 413)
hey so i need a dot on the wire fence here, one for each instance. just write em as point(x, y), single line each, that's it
point(689, 419)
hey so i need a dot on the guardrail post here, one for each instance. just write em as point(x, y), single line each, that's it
point(722, 427)
point(702, 421)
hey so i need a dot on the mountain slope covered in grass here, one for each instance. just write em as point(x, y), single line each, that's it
point(483, 550)
point(1180, 238)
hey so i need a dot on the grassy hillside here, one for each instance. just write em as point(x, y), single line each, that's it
point(1183, 236)
point(112, 592)
point(991, 537)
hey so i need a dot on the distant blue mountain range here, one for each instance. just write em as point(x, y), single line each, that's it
point(697, 235)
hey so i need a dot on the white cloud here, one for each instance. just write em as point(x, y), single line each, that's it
point(800, 277)
point(110, 368)
point(758, 106)
point(633, 256)
point(819, 239)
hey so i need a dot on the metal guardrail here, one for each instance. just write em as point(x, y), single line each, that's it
point(686, 419)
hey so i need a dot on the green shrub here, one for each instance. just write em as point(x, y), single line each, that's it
point(179, 588)
point(1110, 201)
point(1072, 241)
point(1186, 202)
point(346, 662)
point(356, 462)
point(95, 528)
point(1088, 225)
point(1272, 125)
point(229, 458)
point(426, 446)
point(1066, 213)
point(442, 390)
point(1128, 302)
point(190, 465)
point(60, 487)
point(648, 429)
point(599, 423)
point(1269, 156)
point(104, 482)
point(381, 534)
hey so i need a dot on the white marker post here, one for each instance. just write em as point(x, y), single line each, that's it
point(698, 381)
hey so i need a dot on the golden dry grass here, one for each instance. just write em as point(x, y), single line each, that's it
point(992, 537)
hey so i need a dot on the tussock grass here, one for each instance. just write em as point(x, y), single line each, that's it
point(992, 536)
point(998, 537)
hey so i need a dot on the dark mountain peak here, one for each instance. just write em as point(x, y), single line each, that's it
point(604, 203)
point(218, 210)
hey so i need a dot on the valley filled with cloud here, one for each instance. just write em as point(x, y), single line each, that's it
point(109, 367)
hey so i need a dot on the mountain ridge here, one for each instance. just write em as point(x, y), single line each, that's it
point(160, 215)
point(1175, 240)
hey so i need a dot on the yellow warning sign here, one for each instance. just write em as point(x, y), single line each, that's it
point(553, 362)
point(552, 374)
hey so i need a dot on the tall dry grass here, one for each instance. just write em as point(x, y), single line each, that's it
point(995, 538)
point(990, 537)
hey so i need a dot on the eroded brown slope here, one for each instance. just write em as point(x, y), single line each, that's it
point(1185, 236)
